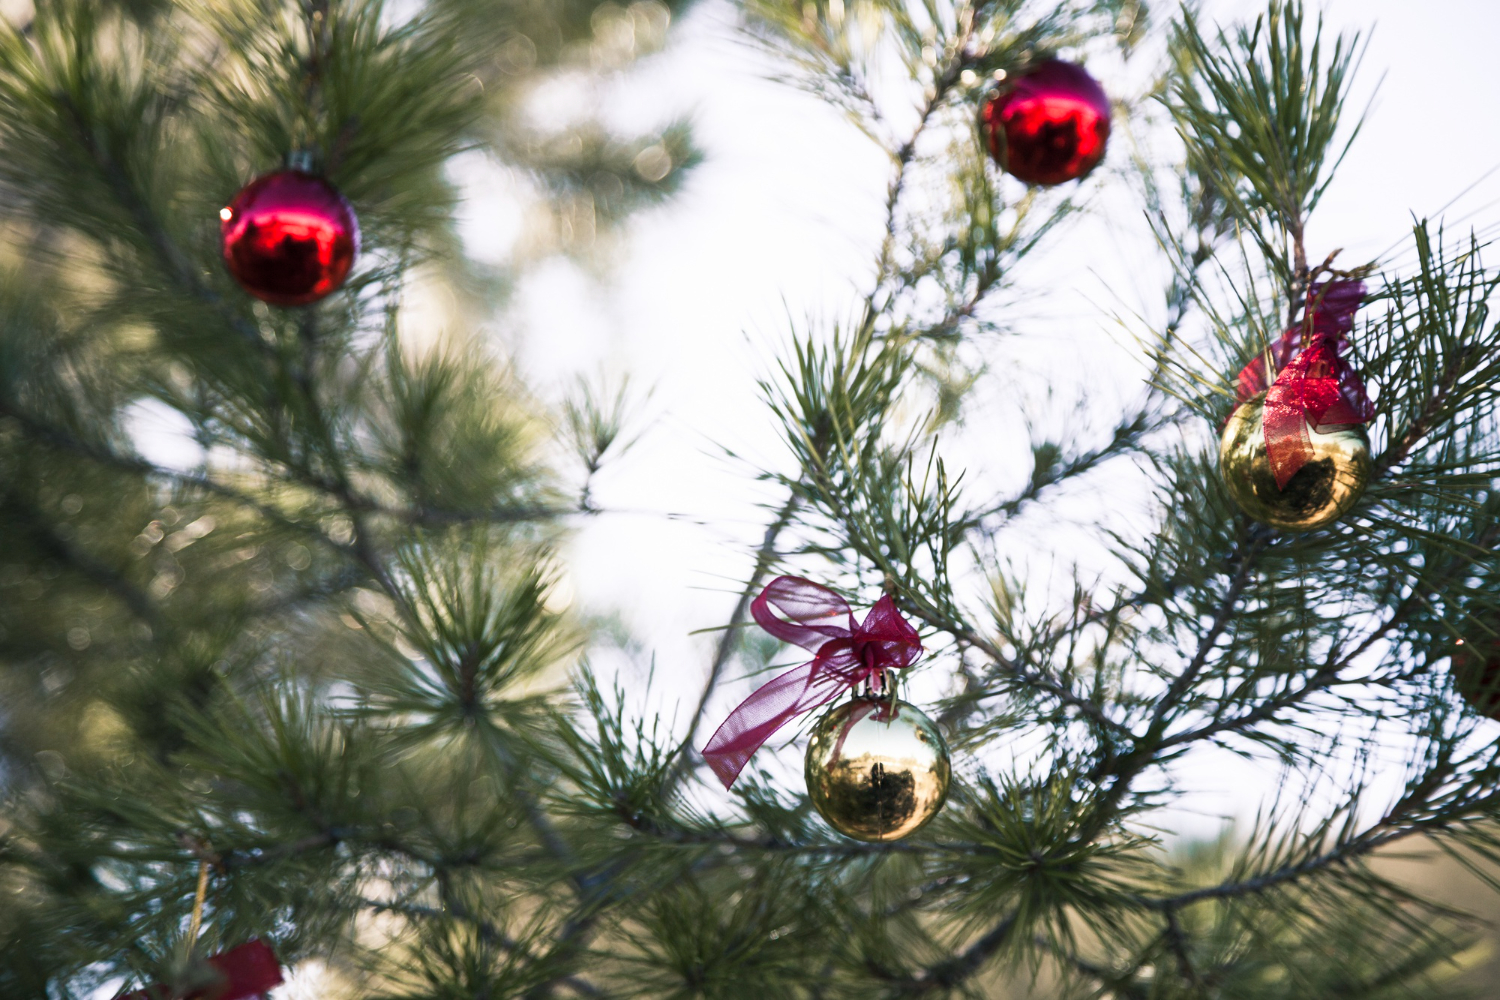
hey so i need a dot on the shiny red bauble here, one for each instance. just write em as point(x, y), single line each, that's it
point(1476, 675)
point(1049, 124)
point(289, 238)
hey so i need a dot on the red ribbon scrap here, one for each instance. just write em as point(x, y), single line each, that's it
point(251, 970)
point(1318, 387)
point(846, 654)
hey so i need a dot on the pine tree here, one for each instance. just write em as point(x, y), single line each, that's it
point(318, 667)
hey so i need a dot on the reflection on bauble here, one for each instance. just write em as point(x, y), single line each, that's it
point(877, 770)
point(1321, 492)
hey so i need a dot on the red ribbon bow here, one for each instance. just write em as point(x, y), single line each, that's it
point(1316, 388)
point(846, 655)
point(250, 970)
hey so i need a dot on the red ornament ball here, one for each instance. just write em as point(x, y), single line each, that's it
point(1049, 124)
point(289, 238)
point(1476, 675)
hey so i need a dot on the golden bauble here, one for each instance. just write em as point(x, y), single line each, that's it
point(1320, 493)
point(877, 770)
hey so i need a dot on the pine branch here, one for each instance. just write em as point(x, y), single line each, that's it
point(1178, 942)
point(1123, 769)
point(336, 584)
point(353, 503)
point(1033, 678)
point(1124, 985)
point(313, 842)
point(1329, 672)
point(171, 259)
point(1379, 835)
point(942, 84)
point(1397, 452)
point(487, 930)
point(42, 533)
point(1127, 439)
point(645, 825)
point(954, 972)
point(67, 442)
point(593, 841)
point(1256, 541)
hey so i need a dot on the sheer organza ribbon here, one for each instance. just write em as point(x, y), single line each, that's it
point(1318, 387)
point(847, 652)
point(251, 970)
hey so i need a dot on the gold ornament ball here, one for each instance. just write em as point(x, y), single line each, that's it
point(877, 770)
point(1321, 492)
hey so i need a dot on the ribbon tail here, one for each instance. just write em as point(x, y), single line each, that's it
point(1288, 443)
point(769, 708)
point(1318, 388)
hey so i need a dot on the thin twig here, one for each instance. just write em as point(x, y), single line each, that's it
point(1177, 941)
point(951, 972)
